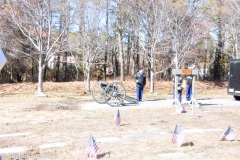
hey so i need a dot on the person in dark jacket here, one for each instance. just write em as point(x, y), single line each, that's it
point(140, 79)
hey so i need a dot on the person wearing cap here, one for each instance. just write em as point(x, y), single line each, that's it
point(140, 79)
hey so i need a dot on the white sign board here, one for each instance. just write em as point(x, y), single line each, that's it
point(3, 59)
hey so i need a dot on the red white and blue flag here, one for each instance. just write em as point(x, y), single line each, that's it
point(92, 147)
point(117, 118)
point(228, 135)
point(178, 136)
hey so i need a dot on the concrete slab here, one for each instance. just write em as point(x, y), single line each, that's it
point(15, 134)
point(95, 106)
point(173, 113)
point(93, 117)
point(138, 135)
point(145, 104)
point(236, 147)
point(200, 153)
point(214, 130)
point(12, 150)
point(197, 130)
point(52, 145)
point(218, 150)
point(107, 139)
point(173, 155)
point(40, 121)
point(152, 124)
point(158, 104)
point(193, 130)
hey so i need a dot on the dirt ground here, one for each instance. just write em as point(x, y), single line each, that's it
point(60, 118)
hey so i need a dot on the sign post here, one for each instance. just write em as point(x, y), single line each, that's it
point(178, 72)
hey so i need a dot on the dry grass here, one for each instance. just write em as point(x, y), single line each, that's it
point(68, 123)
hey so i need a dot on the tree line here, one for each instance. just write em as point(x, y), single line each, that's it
point(113, 38)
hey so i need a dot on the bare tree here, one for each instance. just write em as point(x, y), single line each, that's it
point(187, 28)
point(149, 31)
point(91, 38)
point(119, 28)
point(135, 11)
point(37, 21)
point(232, 34)
point(153, 24)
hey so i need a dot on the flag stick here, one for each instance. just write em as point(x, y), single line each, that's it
point(6, 110)
point(192, 105)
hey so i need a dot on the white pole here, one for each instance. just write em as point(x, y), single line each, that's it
point(6, 116)
point(192, 106)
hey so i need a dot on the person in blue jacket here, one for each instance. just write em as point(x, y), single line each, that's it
point(140, 79)
point(189, 88)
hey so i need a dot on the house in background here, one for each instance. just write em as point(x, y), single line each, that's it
point(56, 58)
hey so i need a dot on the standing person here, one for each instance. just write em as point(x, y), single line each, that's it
point(140, 79)
point(179, 88)
point(189, 88)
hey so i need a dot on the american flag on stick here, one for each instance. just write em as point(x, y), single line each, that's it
point(228, 135)
point(92, 147)
point(117, 118)
point(180, 108)
point(178, 136)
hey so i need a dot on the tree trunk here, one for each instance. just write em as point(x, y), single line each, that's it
point(152, 74)
point(65, 72)
point(115, 62)
point(136, 33)
point(11, 73)
point(57, 66)
point(128, 54)
point(41, 68)
point(121, 57)
point(32, 70)
point(149, 70)
point(236, 48)
point(87, 78)
point(218, 55)
point(87, 74)
point(219, 50)
point(105, 66)
point(44, 74)
point(106, 49)
point(137, 56)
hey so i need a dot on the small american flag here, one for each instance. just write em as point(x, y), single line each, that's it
point(228, 135)
point(176, 60)
point(92, 147)
point(117, 118)
point(178, 136)
point(180, 108)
